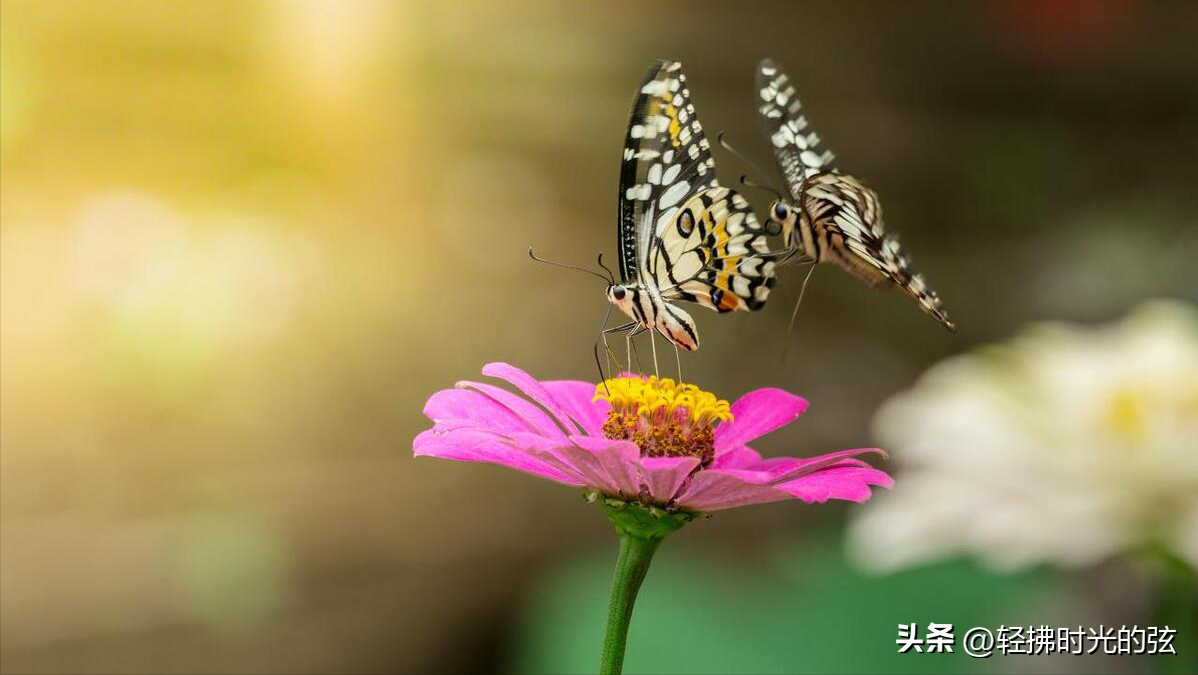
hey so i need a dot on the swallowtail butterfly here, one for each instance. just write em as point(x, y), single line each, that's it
point(682, 237)
point(830, 216)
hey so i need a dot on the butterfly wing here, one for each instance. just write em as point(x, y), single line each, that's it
point(796, 149)
point(679, 230)
point(845, 218)
point(714, 253)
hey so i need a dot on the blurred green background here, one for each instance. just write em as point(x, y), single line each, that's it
point(241, 243)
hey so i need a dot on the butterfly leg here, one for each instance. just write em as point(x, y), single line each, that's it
point(630, 345)
point(653, 343)
point(795, 314)
point(678, 360)
point(635, 357)
point(610, 354)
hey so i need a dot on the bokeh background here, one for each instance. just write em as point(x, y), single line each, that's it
point(242, 242)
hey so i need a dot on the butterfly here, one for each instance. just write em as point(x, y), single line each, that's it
point(682, 237)
point(831, 216)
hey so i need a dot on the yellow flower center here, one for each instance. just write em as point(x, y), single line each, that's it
point(1125, 414)
point(663, 417)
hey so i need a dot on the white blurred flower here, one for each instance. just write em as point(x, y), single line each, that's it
point(1066, 445)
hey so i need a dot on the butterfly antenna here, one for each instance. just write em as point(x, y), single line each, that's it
point(795, 314)
point(752, 165)
point(610, 275)
point(748, 182)
point(598, 338)
point(569, 267)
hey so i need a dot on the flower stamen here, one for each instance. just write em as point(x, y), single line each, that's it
point(663, 417)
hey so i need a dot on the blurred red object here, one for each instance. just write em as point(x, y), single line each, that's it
point(1064, 30)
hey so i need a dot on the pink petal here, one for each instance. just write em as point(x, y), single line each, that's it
point(665, 475)
point(471, 445)
point(549, 452)
point(620, 459)
point(756, 414)
point(850, 483)
point(743, 457)
point(605, 465)
point(479, 409)
point(536, 419)
point(533, 389)
point(716, 490)
point(578, 399)
point(782, 469)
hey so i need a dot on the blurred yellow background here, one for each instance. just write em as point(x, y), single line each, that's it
point(241, 243)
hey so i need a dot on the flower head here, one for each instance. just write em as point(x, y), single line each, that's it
point(662, 444)
point(1065, 445)
point(663, 418)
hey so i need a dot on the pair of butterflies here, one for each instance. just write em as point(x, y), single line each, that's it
point(683, 237)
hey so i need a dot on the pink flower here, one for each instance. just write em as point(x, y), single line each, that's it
point(637, 439)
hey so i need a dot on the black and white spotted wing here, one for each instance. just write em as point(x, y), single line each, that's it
point(682, 237)
point(830, 216)
point(796, 147)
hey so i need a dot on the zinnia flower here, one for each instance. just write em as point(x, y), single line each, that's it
point(1067, 445)
point(648, 441)
point(658, 452)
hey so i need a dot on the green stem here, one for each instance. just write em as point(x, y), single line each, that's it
point(631, 566)
point(641, 529)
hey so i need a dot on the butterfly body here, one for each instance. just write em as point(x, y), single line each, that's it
point(829, 216)
point(651, 311)
point(827, 227)
point(682, 237)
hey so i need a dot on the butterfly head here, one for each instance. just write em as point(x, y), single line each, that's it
point(620, 295)
point(783, 218)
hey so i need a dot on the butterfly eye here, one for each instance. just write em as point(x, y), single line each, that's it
point(780, 211)
point(618, 293)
